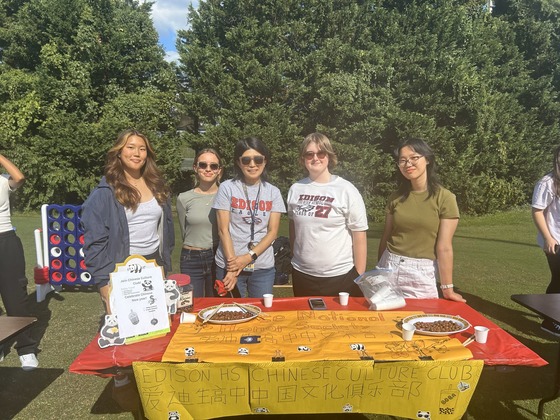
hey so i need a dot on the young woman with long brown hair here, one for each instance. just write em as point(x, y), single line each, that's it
point(128, 213)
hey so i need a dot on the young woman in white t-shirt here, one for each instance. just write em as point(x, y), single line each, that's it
point(546, 215)
point(328, 225)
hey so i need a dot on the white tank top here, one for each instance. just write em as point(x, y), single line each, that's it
point(143, 227)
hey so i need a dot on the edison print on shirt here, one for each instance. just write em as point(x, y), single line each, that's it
point(241, 206)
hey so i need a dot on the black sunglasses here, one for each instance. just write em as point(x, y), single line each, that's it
point(246, 160)
point(204, 165)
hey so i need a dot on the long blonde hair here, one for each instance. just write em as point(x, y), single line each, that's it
point(125, 193)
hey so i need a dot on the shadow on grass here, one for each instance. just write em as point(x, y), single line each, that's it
point(105, 404)
point(500, 389)
point(19, 388)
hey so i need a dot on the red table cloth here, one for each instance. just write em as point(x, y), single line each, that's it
point(501, 348)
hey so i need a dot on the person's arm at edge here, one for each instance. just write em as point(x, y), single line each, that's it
point(359, 250)
point(223, 219)
point(385, 236)
point(540, 223)
point(181, 213)
point(444, 255)
point(16, 176)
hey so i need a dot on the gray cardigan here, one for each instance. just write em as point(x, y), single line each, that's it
point(106, 236)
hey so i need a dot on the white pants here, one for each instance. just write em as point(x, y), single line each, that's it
point(416, 277)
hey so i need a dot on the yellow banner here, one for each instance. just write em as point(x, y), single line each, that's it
point(412, 389)
point(308, 336)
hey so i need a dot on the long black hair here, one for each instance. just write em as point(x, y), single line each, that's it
point(250, 143)
point(422, 148)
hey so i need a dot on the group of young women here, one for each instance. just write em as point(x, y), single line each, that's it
point(228, 227)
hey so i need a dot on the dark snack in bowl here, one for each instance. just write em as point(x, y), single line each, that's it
point(438, 326)
point(231, 315)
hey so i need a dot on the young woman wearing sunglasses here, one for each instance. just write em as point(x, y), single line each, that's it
point(421, 218)
point(197, 219)
point(328, 225)
point(248, 209)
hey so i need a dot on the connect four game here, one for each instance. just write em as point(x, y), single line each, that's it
point(63, 242)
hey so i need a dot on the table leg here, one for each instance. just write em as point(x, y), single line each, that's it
point(556, 391)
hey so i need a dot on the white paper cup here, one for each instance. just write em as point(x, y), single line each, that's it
point(187, 318)
point(389, 304)
point(267, 297)
point(343, 298)
point(381, 294)
point(480, 334)
point(408, 331)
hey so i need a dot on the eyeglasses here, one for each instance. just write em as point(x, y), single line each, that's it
point(204, 165)
point(320, 155)
point(246, 160)
point(413, 160)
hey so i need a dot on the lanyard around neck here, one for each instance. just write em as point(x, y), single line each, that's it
point(252, 211)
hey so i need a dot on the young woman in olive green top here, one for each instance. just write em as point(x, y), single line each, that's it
point(421, 218)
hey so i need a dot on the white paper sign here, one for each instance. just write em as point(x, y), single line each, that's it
point(138, 299)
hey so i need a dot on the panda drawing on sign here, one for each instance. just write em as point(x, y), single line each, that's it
point(242, 351)
point(135, 268)
point(347, 408)
point(189, 352)
point(425, 415)
point(303, 348)
point(147, 285)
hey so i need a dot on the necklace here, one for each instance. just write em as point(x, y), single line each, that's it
point(211, 194)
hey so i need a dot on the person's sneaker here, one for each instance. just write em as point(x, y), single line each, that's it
point(551, 327)
point(29, 361)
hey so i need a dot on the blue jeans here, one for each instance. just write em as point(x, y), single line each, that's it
point(199, 265)
point(252, 284)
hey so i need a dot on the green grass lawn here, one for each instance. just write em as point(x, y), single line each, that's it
point(495, 257)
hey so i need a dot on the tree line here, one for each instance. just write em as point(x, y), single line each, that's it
point(479, 81)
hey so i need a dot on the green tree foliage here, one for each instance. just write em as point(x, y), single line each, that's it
point(480, 87)
point(73, 74)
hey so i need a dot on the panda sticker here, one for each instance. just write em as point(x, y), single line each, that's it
point(425, 415)
point(173, 415)
point(347, 408)
point(189, 352)
point(242, 351)
point(303, 348)
point(357, 346)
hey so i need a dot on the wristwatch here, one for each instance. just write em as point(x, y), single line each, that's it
point(253, 255)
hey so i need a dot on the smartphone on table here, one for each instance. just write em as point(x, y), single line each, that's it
point(317, 304)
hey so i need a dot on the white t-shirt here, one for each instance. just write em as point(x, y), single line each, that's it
point(544, 198)
point(231, 197)
point(324, 216)
point(5, 190)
